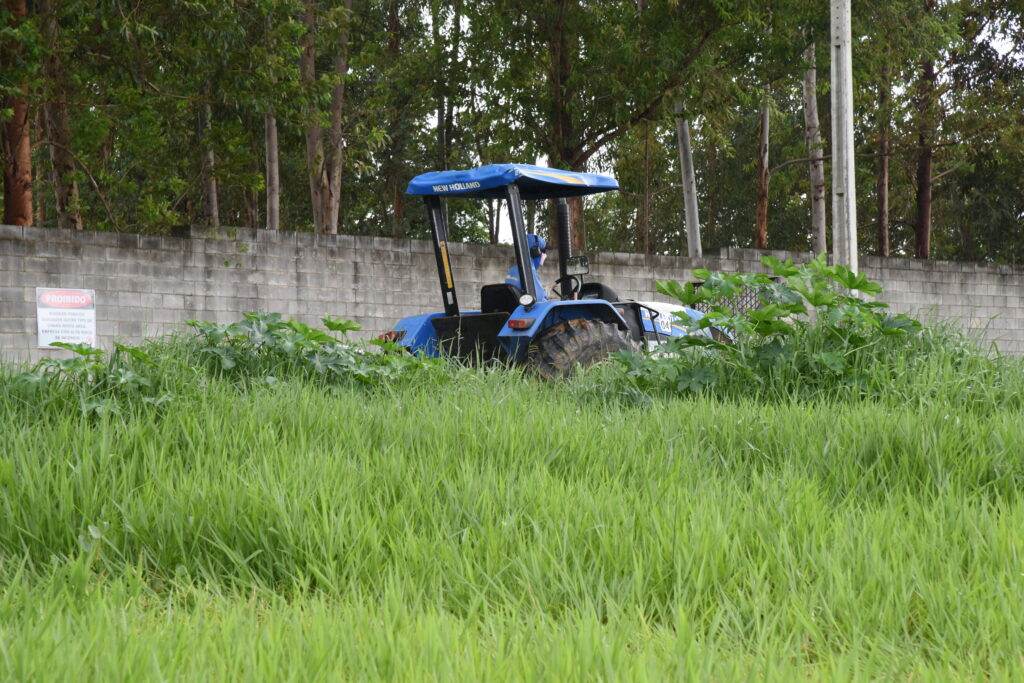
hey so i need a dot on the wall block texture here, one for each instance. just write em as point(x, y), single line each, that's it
point(149, 285)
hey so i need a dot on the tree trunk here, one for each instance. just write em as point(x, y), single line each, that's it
point(576, 224)
point(250, 203)
point(925, 140)
point(273, 173)
point(644, 222)
point(62, 161)
point(492, 222)
point(38, 186)
point(272, 155)
point(882, 191)
point(448, 58)
point(812, 135)
point(968, 244)
point(209, 166)
point(454, 66)
point(396, 126)
point(337, 144)
point(710, 205)
point(761, 227)
point(440, 82)
point(398, 208)
point(315, 167)
point(562, 141)
point(924, 198)
point(442, 128)
point(16, 141)
point(689, 180)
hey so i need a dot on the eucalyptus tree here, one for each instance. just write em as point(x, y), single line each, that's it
point(815, 155)
point(939, 88)
point(17, 41)
point(773, 58)
point(927, 105)
point(98, 95)
point(579, 76)
point(392, 82)
point(325, 108)
point(327, 30)
point(57, 120)
point(977, 184)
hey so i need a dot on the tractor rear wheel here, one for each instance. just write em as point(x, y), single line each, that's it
point(557, 351)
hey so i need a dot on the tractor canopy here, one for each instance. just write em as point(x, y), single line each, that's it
point(490, 182)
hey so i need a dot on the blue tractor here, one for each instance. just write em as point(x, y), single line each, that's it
point(586, 321)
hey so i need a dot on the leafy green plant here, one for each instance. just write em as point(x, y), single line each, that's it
point(262, 348)
point(266, 347)
point(814, 332)
point(91, 381)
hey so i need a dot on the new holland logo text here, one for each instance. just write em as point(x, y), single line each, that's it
point(456, 187)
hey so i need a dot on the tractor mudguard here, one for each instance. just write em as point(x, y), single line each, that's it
point(515, 342)
point(417, 334)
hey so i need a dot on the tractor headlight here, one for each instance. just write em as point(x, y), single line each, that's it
point(527, 300)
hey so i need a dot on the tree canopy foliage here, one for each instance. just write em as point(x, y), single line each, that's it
point(144, 116)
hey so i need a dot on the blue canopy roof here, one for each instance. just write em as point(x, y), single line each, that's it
point(489, 182)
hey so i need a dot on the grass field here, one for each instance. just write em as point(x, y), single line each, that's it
point(492, 527)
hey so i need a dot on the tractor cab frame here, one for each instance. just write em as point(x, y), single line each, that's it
point(511, 320)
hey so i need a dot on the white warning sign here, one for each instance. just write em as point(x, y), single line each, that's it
point(66, 315)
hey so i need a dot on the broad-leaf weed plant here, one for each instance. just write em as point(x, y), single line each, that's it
point(263, 349)
point(266, 348)
point(816, 334)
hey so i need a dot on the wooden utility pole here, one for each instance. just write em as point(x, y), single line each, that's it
point(844, 194)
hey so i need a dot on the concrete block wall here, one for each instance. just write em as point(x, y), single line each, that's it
point(149, 285)
point(985, 299)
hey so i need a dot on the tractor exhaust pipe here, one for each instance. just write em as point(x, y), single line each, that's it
point(564, 246)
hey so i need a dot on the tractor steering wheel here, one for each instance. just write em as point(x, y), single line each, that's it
point(574, 285)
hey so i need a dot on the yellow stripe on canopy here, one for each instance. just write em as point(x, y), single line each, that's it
point(559, 176)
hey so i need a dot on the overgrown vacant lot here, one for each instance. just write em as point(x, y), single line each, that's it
point(488, 526)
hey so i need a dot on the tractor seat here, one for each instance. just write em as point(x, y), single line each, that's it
point(596, 290)
point(500, 298)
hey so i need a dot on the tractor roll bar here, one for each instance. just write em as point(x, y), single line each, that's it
point(515, 218)
point(564, 247)
point(439, 231)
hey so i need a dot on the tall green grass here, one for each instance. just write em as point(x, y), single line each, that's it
point(490, 526)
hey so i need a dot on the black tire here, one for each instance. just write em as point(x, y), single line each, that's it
point(558, 350)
